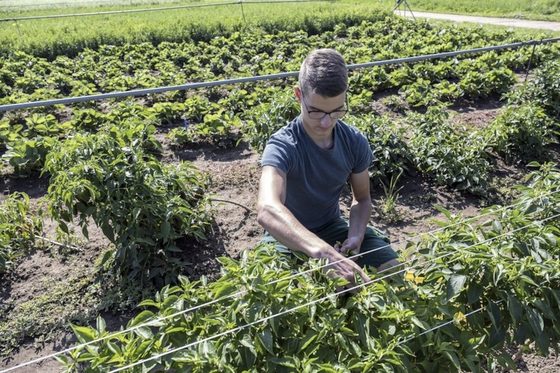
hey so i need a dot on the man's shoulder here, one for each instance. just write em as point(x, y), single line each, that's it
point(287, 135)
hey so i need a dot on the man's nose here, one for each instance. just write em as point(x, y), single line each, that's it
point(326, 120)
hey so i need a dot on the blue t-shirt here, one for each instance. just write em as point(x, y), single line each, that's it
point(316, 176)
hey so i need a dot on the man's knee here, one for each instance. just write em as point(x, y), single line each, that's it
point(389, 265)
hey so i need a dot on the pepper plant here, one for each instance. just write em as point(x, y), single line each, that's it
point(17, 229)
point(467, 290)
point(142, 205)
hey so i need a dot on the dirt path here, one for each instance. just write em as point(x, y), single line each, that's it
point(511, 22)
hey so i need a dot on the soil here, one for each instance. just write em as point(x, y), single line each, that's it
point(234, 177)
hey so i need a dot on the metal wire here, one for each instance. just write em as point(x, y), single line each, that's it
point(356, 287)
point(240, 293)
point(182, 87)
point(144, 10)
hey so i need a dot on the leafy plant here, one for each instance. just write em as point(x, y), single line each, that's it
point(141, 205)
point(17, 229)
point(522, 133)
point(468, 289)
point(391, 155)
point(389, 204)
point(268, 117)
point(28, 156)
point(543, 90)
point(452, 157)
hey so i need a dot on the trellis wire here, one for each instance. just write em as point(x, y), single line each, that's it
point(182, 87)
point(239, 293)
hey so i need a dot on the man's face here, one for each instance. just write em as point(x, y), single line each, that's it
point(321, 113)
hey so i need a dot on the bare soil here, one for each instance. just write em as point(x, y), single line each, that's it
point(234, 184)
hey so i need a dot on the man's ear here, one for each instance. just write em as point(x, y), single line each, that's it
point(297, 92)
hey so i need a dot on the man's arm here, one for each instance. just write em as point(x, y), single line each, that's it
point(273, 216)
point(359, 212)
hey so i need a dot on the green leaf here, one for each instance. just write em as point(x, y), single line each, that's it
point(452, 356)
point(515, 308)
point(495, 315)
point(473, 293)
point(165, 230)
point(141, 318)
point(535, 320)
point(144, 332)
point(84, 333)
point(455, 285)
point(265, 337)
point(101, 324)
point(310, 336)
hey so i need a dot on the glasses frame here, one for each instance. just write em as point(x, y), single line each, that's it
point(311, 112)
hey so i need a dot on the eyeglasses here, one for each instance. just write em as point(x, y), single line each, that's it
point(318, 114)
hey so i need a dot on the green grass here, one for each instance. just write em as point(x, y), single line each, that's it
point(68, 36)
point(52, 37)
point(525, 9)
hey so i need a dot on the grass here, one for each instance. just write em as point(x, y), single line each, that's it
point(68, 36)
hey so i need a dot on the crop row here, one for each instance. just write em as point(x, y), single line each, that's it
point(502, 273)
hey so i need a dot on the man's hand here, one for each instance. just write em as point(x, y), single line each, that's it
point(344, 267)
point(350, 246)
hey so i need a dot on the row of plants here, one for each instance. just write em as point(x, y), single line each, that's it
point(69, 36)
point(430, 143)
point(24, 77)
point(480, 285)
point(462, 157)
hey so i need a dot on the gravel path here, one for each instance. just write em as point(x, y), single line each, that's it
point(511, 22)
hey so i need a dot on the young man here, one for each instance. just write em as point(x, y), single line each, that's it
point(305, 166)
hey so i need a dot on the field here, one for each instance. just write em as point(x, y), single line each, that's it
point(121, 208)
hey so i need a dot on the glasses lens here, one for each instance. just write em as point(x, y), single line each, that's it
point(316, 114)
point(338, 114)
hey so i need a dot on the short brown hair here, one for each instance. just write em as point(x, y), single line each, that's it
point(323, 72)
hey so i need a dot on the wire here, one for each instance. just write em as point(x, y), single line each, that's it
point(240, 293)
point(356, 287)
point(187, 86)
point(143, 10)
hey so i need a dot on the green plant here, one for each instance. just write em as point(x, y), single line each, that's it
point(454, 157)
point(141, 205)
point(17, 229)
point(268, 117)
point(542, 90)
point(522, 133)
point(391, 155)
point(389, 205)
point(502, 273)
point(28, 156)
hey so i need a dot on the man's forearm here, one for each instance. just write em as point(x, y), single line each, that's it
point(359, 218)
point(282, 225)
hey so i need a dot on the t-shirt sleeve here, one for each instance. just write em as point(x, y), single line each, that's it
point(363, 155)
point(277, 153)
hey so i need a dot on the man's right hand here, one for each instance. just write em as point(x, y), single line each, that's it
point(343, 267)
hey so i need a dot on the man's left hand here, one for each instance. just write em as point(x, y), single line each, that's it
point(351, 245)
